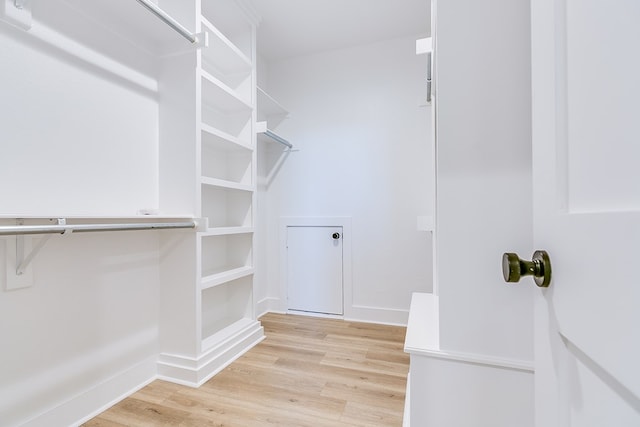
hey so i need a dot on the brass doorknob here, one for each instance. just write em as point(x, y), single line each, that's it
point(513, 268)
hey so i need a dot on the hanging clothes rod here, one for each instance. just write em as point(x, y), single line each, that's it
point(278, 138)
point(167, 19)
point(63, 228)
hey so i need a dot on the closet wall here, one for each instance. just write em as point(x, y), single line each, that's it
point(364, 152)
point(106, 111)
point(76, 140)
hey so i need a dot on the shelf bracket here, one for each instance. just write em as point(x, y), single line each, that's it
point(202, 40)
point(22, 261)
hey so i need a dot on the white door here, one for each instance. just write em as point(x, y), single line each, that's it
point(586, 163)
point(314, 269)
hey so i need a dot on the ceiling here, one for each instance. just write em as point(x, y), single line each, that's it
point(290, 28)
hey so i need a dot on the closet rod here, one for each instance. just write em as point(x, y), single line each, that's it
point(167, 19)
point(278, 138)
point(16, 230)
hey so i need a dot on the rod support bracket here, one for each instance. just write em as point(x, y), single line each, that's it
point(202, 40)
point(22, 261)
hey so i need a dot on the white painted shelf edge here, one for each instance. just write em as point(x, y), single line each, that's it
point(423, 332)
point(225, 231)
point(221, 183)
point(221, 95)
point(161, 217)
point(223, 277)
point(204, 127)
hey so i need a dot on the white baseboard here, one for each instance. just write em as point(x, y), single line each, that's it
point(194, 372)
point(385, 316)
point(177, 369)
point(269, 305)
point(356, 313)
point(74, 411)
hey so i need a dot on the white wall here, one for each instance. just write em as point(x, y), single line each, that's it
point(76, 140)
point(91, 316)
point(484, 176)
point(364, 153)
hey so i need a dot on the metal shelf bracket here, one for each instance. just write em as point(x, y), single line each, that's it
point(22, 262)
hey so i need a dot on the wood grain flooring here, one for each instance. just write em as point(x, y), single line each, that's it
point(309, 371)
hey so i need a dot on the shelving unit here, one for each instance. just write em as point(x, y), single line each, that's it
point(228, 176)
point(223, 166)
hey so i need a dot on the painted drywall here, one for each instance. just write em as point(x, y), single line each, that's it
point(76, 140)
point(364, 152)
point(484, 176)
point(90, 315)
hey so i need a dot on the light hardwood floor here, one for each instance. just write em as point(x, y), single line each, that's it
point(308, 372)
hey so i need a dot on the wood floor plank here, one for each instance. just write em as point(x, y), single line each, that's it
point(308, 372)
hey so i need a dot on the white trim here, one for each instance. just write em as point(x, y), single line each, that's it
point(384, 316)
point(315, 314)
point(381, 316)
point(194, 372)
point(267, 305)
point(474, 359)
point(82, 407)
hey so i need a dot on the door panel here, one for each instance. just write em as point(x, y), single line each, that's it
point(586, 198)
point(314, 269)
point(602, 105)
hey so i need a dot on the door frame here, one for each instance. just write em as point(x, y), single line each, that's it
point(331, 221)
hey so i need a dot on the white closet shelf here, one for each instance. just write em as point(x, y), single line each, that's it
point(225, 329)
point(222, 141)
point(218, 278)
point(226, 231)
point(222, 54)
point(221, 183)
point(221, 97)
point(267, 106)
point(112, 218)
